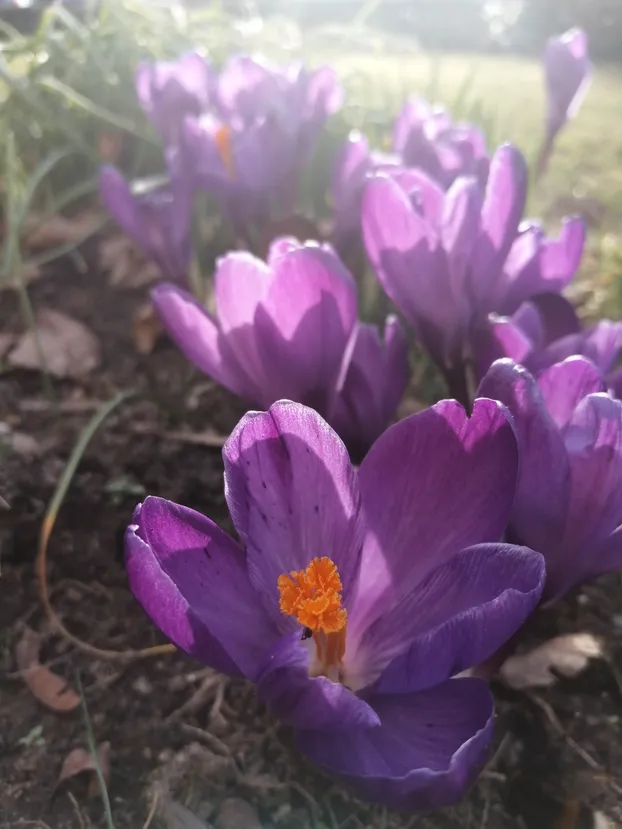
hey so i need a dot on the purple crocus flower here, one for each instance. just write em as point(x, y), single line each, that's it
point(353, 163)
point(569, 500)
point(289, 328)
point(354, 598)
point(168, 91)
point(159, 221)
point(567, 73)
point(546, 331)
point(375, 381)
point(425, 137)
point(440, 256)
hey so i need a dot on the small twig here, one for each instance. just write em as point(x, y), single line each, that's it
point(152, 810)
point(211, 739)
point(76, 807)
point(587, 758)
point(197, 700)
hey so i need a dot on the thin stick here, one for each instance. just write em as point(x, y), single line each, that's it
point(47, 526)
point(152, 810)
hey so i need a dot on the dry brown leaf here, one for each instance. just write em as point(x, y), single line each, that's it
point(47, 687)
point(125, 263)
point(566, 655)
point(146, 328)
point(43, 234)
point(236, 813)
point(69, 348)
point(80, 761)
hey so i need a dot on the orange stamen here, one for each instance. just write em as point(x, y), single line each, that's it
point(313, 596)
point(225, 149)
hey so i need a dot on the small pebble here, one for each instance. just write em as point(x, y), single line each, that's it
point(235, 813)
point(142, 686)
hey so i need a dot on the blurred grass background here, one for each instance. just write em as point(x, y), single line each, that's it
point(69, 84)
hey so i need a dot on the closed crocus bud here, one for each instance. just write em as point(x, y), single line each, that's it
point(374, 385)
point(567, 73)
point(569, 499)
point(159, 221)
point(354, 599)
point(281, 328)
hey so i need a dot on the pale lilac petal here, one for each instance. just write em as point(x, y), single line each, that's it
point(292, 495)
point(561, 257)
point(557, 317)
point(457, 617)
point(429, 747)
point(593, 438)
point(303, 326)
point(247, 88)
point(542, 498)
point(425, 193)
point(497, 338)
point(413, 115)
point(199, 338)
point(567, 75)
point(352, 163)
point(284, 685)
point(376, 379)
point(460, 226)
point(410, 265)
point(241, 284)
point(504, 203)
point(564, 385)
point(433, 484)
point(191, 578)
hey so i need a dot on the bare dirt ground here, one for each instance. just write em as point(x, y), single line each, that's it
point(177, 732)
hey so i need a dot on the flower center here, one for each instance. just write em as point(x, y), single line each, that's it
point(313, 596)
point(225, 149)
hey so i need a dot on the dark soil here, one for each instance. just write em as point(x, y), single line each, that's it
point(559, 754)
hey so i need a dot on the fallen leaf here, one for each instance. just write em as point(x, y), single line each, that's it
point(125, 264)
point(80, 761)
point(236, 813)
point(41, 234)
point(47, 687)
point(146, 328)
point(69, 348)
point(6, 343)
point(539, 668)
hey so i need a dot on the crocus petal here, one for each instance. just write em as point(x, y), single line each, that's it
point(607, 557)
point(199, 338)
point(567, 74)
point(433, 484)
point(542, 498)
point(427, 750)
point(502, 210)
point(496, 338)
point(457, 617)
point(459, 229)
point(191, 578)
point(285, 686)
point(375, 382)
point(119, 200)
point(413, 115)
point(304, 325)
point(561, 257)
point(292, 495)
point(557, 317)
point(594, 441)
point(408, 262)
point(564, 385)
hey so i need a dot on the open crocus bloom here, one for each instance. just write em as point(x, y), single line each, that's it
point(159, 221)
point(288, 328)
point(354, 597)
point(168, 91)
point(425, 137)
point(569, 499)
